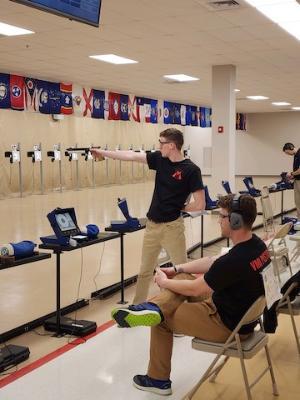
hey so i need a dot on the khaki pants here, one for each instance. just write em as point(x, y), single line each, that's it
point(198, 319)
point(297, 196)
point(167, 235)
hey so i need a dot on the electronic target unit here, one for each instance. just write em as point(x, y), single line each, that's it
point(64, 224)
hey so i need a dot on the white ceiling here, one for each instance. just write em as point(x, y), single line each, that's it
point(166, 37)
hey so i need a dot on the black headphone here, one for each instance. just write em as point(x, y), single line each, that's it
point(235, 217)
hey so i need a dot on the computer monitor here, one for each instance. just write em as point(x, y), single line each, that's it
point(87, 11)
point(65, 222)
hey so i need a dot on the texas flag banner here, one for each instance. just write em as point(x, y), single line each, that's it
point(30, 94)
point(42, 97)
point(66, 104)
point(54, 98)
point(145, 109)
point(4, 91)
point(114, 112)
point(17, 95)
point(133, 108)
point(98, 104)
point(87, 95)
point(194, 116)
point(124, 99)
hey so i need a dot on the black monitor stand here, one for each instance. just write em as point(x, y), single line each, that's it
point(64, 325)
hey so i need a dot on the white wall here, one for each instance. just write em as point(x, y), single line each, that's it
point(259, 150)
point(198, 139)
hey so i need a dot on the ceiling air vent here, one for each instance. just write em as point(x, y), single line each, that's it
point(222, 5)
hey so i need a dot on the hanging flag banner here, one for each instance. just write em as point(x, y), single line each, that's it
point(87, 95)
point(17, 95)
point(30, 94)
point(207, 117)
point(114, 112)
point(194, 116)
point(98, 104)
point(168, 112)
point(124, 99)
point(54, 98)
point(42, 98)
point(177, 115)
point(4, 91)
point(66, 103)
point(133, 108)
point(77, 100)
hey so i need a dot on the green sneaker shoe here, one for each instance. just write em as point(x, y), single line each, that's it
point(144, 314)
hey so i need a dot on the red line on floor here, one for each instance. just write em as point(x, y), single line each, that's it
point(48, 357)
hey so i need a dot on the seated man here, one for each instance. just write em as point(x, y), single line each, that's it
point(228, 286)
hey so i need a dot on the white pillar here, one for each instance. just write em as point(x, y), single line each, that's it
point(223, 117)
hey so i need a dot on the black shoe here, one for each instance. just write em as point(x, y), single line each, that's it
point(144, 382)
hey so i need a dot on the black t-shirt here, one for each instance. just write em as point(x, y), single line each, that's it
point(296, 164)
point(174, 181)
point(237, 282)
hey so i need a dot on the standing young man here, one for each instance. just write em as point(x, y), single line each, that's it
point(176, 177)
point(230, 284)
point(290, 150)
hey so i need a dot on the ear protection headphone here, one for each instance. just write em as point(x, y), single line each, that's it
point(235, 217)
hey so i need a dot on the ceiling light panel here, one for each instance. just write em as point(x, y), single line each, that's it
point(181, 78)
point(113, 59)
point(11, 30)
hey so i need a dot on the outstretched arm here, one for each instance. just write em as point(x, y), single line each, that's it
point(123, 155)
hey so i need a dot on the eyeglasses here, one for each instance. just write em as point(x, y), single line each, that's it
point(222, 216)
point(162, 143)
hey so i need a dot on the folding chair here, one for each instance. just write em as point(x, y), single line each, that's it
point(291, 308)
point(296, 251)
point(278, 249)
point(267, 211)
point(234, 347)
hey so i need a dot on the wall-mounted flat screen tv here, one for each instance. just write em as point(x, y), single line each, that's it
point(87, 11)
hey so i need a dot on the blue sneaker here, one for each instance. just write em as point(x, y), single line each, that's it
point(144, 382)
point(144, 314)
